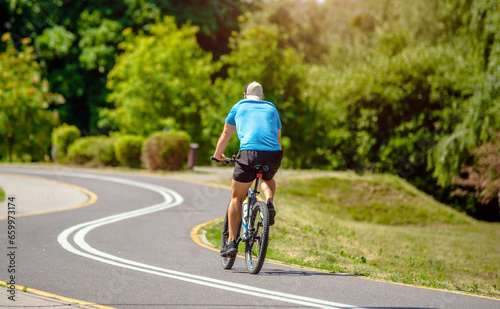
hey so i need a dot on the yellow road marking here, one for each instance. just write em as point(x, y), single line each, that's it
point(66, 299)
point(196, 237)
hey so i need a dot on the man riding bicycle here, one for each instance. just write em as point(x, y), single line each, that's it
point(258, 127)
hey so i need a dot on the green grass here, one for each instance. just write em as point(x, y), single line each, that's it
point(381, 227)
point(2, 195)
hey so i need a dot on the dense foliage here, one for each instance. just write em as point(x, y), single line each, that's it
point(409, 88)
point(128, 150)
point(25, 120)
point(93, 151)
point(62, 137)
point(163, 78)
point(78, 40)
point(166, 150)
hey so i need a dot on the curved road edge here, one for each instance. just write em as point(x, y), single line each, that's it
point(91, 196)
point(34, 297)
point(199, 238)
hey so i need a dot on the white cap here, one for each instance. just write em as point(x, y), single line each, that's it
point(254, 91)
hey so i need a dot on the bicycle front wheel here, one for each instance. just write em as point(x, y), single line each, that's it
point(256, 244)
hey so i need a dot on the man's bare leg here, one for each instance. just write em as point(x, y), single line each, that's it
point(268, 188)
point(238, 192)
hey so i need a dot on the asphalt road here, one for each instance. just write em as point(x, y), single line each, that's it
point(132, 249)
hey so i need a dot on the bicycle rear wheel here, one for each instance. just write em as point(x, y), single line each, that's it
point(227, 262)
point(256, 245)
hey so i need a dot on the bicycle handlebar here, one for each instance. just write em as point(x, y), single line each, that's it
point(233, 160)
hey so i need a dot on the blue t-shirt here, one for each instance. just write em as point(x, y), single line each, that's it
point(257, 124)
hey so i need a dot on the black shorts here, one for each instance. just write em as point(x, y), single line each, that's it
point(246, 160)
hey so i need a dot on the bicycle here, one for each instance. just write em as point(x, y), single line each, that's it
point(253, 228)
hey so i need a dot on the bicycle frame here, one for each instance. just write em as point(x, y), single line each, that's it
point(252, 199)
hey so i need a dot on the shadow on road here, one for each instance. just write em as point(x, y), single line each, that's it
point(301, 273)
point(298, 273)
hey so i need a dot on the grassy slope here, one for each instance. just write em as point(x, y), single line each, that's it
point(381, 227)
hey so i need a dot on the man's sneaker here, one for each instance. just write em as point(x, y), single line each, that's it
point(272, 213)
point(229, 249)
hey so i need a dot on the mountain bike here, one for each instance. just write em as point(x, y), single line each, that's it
point(253, 229)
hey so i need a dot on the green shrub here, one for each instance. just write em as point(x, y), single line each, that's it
point(166, 150)
point(128, 150)
point(62, 137)
point(93, 150)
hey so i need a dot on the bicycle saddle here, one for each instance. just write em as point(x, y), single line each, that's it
point(261, 168)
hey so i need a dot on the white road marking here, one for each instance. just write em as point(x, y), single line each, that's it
point(172, 199)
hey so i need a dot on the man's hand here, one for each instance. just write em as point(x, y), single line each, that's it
point(221, 158)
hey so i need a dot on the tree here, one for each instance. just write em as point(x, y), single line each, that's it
point(25, 120)
point(216, 20)
point(65, 34)
point(478, 26)
point(301, 25)
point(77, 40)
point(162, 79)
point(480, 181)
point(256, 55)
point(479, 125)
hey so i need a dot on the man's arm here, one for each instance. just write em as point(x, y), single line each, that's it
point(223, 140)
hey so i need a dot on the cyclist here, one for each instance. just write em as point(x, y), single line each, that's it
point(258, 127)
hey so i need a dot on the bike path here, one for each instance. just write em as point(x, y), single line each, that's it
point(185, 274)
point(38, 195)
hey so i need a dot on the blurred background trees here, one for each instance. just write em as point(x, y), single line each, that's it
point(408, 88)
point(26, 121)
point(163, 78)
